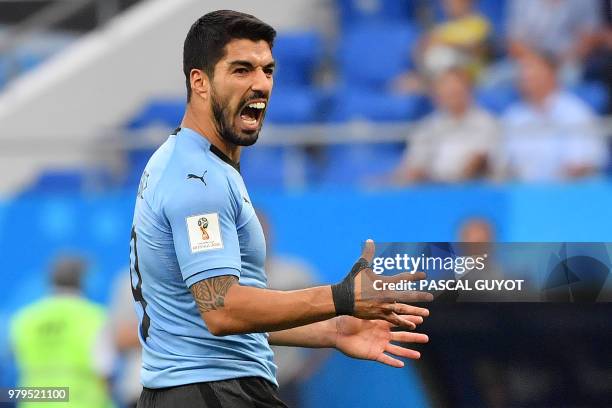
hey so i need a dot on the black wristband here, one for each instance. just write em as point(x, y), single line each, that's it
point(343, 293)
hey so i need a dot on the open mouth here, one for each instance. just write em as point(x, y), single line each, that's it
point(251, 114)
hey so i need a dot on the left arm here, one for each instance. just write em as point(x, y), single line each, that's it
point(357, 338)
point(315, 335)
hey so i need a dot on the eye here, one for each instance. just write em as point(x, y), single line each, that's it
point(241, 70)
point(268, 71)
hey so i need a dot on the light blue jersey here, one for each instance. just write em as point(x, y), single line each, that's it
point(193, 220)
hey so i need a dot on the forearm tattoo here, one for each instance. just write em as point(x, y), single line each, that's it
point(209, 294)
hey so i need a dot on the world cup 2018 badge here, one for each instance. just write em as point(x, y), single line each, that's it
point(204, 232)
point(203, 224)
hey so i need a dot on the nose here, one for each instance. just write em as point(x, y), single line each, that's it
point(261, 82)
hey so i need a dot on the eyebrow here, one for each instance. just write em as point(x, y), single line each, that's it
point(249, 64)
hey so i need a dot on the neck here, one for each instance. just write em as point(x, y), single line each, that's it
point(203, 123)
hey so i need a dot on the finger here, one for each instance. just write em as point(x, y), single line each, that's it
point(400, 310)
point(402, 351)
point(368, 251)
point(414, 319)
point(404, 309)
point(409, 322)
point(409, 337)
point(388, 360)
point(397, 320)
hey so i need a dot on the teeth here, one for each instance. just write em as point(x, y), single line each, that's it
point(257, 105)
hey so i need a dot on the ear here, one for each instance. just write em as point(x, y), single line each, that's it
point(199, 83)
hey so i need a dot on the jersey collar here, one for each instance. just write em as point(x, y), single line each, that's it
point(214, 149)
point(217, 152)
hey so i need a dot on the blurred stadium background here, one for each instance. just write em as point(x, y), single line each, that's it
point(89, 89)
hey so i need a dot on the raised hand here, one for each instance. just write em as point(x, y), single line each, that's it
point(357, 296)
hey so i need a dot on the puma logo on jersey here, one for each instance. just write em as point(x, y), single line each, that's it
point(201, 178)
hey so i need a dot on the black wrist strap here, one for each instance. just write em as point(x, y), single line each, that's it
point(343, 293)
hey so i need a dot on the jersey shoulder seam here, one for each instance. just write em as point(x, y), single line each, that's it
point(165, 171)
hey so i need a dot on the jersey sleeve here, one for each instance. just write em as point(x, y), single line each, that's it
point(202, 216)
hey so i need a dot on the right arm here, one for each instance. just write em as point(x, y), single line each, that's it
point(230, 308)
point(203, 220)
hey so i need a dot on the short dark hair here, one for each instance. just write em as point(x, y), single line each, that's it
point(206, 40)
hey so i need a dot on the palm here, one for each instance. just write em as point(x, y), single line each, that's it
point(370, 339)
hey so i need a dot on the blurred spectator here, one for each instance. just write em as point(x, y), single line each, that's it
point(59, 341)
point(458, 42)
point(124, 331)
point(564, 29)
point(551, 134)
point(477, 235)
point(459, 141)
point(295, 365)
point(476, 230)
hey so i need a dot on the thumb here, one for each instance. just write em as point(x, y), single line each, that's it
point(368, 251)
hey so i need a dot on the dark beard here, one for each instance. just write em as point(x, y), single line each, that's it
point(224, 127)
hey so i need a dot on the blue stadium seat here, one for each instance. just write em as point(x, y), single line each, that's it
point(68, 181)
point(594, 94)
point(377, 106)
point(294, 105)
point(495, 11)
point(164, 112)
point(297, 57)
point(61, 180)
point(496, 99)
point(370, 55)
point(368, 11)
point(362, 162)
point(263, 166)
point(278, 167)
